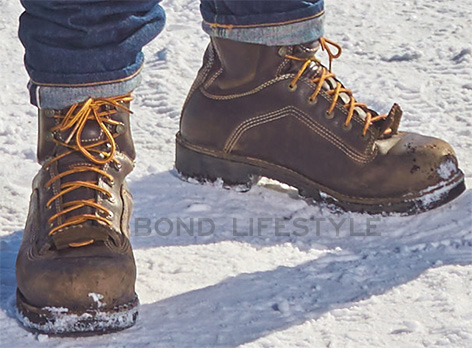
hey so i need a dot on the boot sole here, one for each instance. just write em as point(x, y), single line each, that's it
point(205, 165)
point(65, 322)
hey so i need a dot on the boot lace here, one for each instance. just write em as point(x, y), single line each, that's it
point(100, 110)
point(326, 75)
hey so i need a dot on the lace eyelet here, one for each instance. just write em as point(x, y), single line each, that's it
point(283, 51)
point(329, 116)
point(49, 113)
point(111, 198)
point(313, 101)
point(292, 88)
point(108, 181)
point(347, 128)
point(120, 128)
point(49, 137)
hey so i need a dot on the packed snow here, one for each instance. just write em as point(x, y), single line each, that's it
point(220, 268)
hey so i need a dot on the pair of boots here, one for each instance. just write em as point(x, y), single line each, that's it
point(252, 111)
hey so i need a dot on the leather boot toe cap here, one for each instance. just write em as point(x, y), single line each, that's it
point(77, 281)
point(415, 163)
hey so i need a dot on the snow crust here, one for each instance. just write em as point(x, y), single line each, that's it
point(275, 271)
point(66, 322)
point(446, 169)
point(97, 299)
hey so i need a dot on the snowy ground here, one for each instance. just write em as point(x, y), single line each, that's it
point(410, 286)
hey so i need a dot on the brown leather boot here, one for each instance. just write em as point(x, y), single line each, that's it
point(277, 112)
point(75, 268)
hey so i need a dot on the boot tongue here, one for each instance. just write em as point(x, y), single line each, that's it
point(304, 51)
point(91, 133)
point(389, 125)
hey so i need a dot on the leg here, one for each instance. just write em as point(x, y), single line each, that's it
point(75, 268)
point(79, 49)
point(264, 22)
point(264, 105)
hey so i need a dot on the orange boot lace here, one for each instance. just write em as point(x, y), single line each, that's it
point(336, 91)
point(100, 110)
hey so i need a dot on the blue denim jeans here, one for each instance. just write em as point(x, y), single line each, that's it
point(76, 49)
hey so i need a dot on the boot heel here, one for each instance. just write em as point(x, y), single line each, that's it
point(192, 164)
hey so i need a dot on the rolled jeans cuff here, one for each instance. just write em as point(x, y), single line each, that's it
point(293, 32)
point(60, 96)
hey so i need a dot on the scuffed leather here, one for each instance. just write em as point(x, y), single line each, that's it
point(52, 274)
point(241, 104)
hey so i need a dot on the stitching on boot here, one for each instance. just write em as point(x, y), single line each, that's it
point(202, 76)
point(302, 117)
point(309, 49)
point(284, 62)
point(253, 91)
point(282, 66)
point(94, 139)
point(310, 84)
point(213, 78)
point(322, 187)
point(55, 186)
